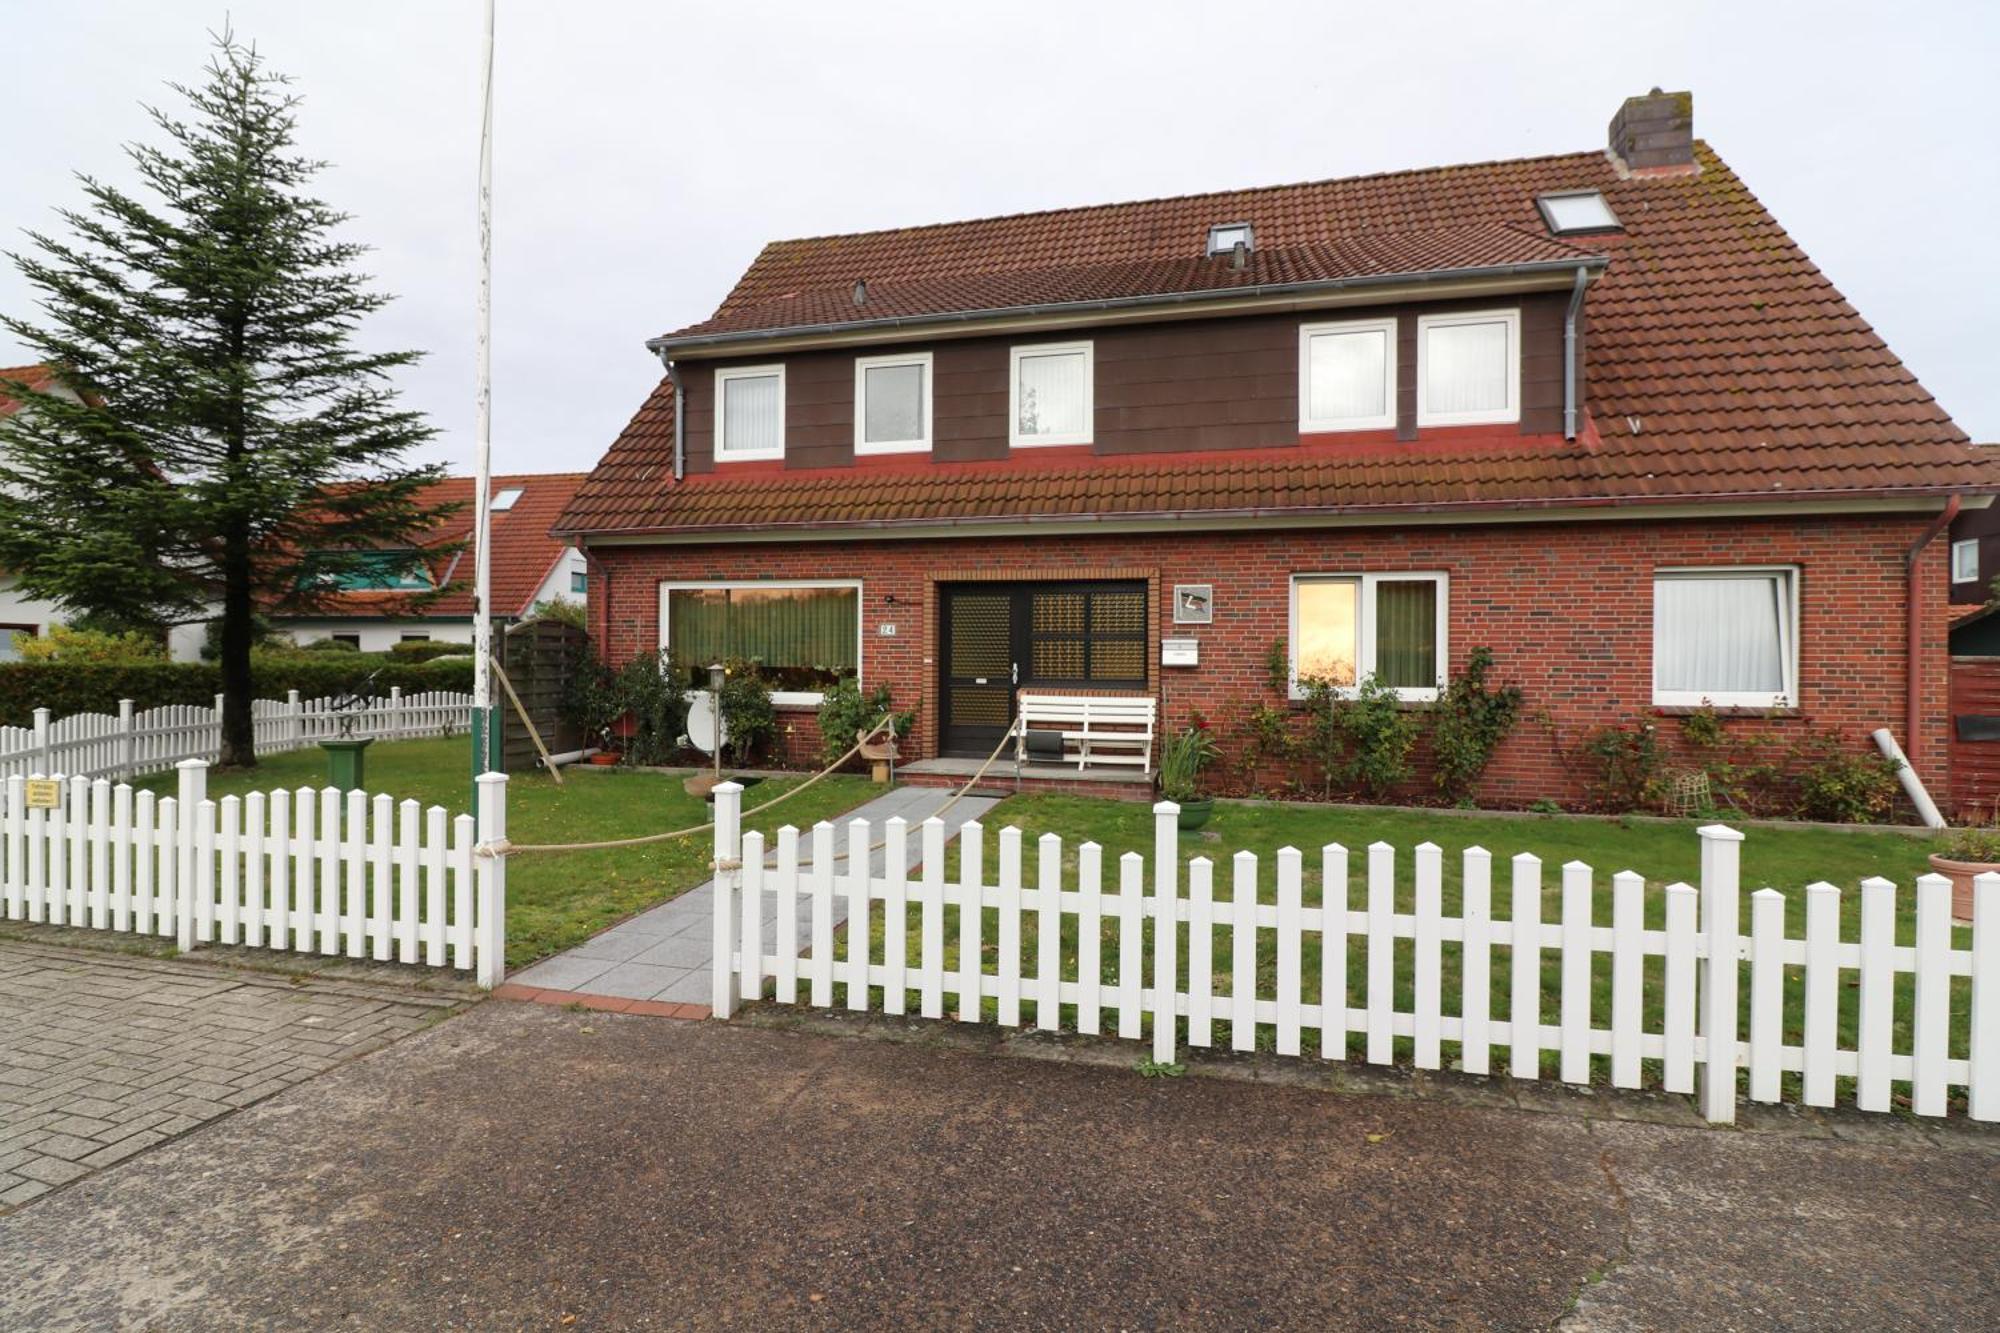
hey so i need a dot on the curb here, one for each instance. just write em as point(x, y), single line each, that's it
point(615, 1004)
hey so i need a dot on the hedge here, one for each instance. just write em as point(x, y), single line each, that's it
point(66, 689)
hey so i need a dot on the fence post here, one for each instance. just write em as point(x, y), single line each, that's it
point(41, 764)
point(128, 740)
point(1721, 857)
point(394, 727)
point(193, 778)
point(490, 921)
point(1166, 928)
point(728, 865)
point(295, 727)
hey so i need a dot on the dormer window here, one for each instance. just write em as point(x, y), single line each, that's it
point(1226, 236)
point(749, 413)
point(1577, 212)
point(1469, 368)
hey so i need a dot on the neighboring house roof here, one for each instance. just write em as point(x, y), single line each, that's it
point(524, 552)
point(1720, 363)
point(37, 378)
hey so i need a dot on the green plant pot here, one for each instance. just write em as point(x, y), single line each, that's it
point(1195, 813)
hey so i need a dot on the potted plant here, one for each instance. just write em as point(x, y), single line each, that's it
point(1965, 853)
point(1182, 758)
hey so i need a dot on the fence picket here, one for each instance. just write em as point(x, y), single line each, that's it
point(167, 888)
point(1166, 929)
point(971, 920)
point(408, 889)
point(1574, 998)
point(821, 970)
point(197, 913)
point(750, 936)
point(1628, 963)
point(1007, 999)
point(305, 859)
point(1428, 971)
point(1048, 932)
point(1089, 938)
point(895, 914)
point(1476, 962)
point(35, 891)
point(16, 818)
point(1333, 952)
point(77, 822)
point(1878, 989)
point(1524, 969)
point(858, 912)
point(463, 829)
point(1721, 848)
point(1291, 943)
point(229, 886)
point(145, 816)
point(1822, 990)
point(1131, 881)
point(327, 917)
point(1678, 1066)
point(787, 942)
point(1767, 993)
point(253, 869)
point(56, 885)
point(1243, 952)
point(1201, 952)
point(353, 921)
point(1381, 952)
point(1930, 1015)
point(99, 834)
point(381, 890)
point(278, 887)
point(1982, 1097)
point(436, 823)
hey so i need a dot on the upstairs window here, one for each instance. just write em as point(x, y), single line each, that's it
point(749, 413)
point(1727, 637)
point(1226, 236)
point(1575, 212)
point(1389, 627)
point(1051, 396)
point(1347, 375)
point(1469, 368)
point(1965, 561)
point(892, 404)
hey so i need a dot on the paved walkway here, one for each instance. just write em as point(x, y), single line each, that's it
point(104, 1055)
point(527, 1167)
point(663, 954)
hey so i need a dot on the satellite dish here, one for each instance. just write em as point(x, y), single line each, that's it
point(701, 729)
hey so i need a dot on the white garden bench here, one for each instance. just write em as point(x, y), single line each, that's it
point(1095, 729)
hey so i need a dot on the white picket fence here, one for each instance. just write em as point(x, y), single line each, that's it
point(1696, 988)
point(130, 743)
point(311, 871)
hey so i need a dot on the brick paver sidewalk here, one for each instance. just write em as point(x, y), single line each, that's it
point(104, 1055)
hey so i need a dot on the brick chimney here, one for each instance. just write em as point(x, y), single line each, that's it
point(1654, 135)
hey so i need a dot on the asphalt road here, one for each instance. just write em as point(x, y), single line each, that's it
point(525, 1166)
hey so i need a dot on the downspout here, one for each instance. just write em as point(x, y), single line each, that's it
point(1912, 689)
point(1569, 352)
point(680, 418)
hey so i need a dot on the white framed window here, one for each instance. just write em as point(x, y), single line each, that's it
point(1965, 561)
point(1050, 397)
point(1726, 637)
point(1573, 211)
point(892, 404)
point(749, 413)
point(1347, 375)
point(804, 633)
point(1226, 236)
point(502, 501)
point(1469, 368)
point(1348, 627)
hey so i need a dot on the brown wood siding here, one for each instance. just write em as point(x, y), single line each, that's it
point(1189, 386)
point(1974, 765)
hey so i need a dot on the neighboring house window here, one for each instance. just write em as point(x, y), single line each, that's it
point(414, 638)
point(504, 500)
point(353, 639)
point(1727, 637)
point(1226, 236)
point(1347, 375)
point(749, 413)
point(11, 637)
point(1469, 368)
point(1345, 627)
point(805, 636)
point(1965, 561)
point(1051, 398)
point(368, 571)
point(892, 404)
point(579, 582)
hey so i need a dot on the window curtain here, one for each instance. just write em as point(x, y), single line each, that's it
point(805, 636)
point(894, 408)
point(750, 414)
point(1465, 368)
point(1720, 635)
point(1051, 394)
point(1406, 633)
point(697, 627)
point(1347, 375)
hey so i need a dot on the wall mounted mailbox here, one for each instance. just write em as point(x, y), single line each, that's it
point(1180, 652)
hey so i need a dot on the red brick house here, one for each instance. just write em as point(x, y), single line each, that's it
point(1595, 412)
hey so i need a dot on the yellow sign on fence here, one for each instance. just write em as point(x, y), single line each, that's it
point(43, 793)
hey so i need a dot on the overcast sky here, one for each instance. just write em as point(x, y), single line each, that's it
point(647, 148)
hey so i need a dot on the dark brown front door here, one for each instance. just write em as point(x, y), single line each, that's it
point(1001, 638)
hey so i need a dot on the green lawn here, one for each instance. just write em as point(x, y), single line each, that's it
point(1783, 858)
point(558, 900)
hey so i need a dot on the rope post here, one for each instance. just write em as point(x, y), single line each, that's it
point(490, 954)
point(728, 865)
point(1721, 855)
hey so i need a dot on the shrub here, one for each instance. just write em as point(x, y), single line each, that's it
point(65, 689)
point(262, 635)
point(424, 650)
point(1379, 734)
point(845, 711)
point(1182, 758)
point(1980, 845)
point(1628, 765)
point(1840, 785)
point(747, 712)
point(316, 646)
point(649, 694)
point(1470, 722)
point(88, 647)
point(560, 609)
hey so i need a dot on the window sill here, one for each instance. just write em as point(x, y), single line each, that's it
point(1729, 710)
point(796, 699)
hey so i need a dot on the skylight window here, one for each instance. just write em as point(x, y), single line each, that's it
point(1226, 236)
point(1577, 211)
point(504, 500)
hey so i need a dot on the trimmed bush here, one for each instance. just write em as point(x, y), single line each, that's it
point(423, 650)
point(63, 690)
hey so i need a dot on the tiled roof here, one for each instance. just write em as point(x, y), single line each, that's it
point(1720, 362)
point(35, 377)
point(523, 550)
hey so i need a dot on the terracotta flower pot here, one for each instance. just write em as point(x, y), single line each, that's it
point(606, 758)
point(1961, 874)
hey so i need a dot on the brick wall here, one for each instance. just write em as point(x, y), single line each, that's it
point(1565, 607)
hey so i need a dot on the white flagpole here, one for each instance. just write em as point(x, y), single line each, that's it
point(482, 622)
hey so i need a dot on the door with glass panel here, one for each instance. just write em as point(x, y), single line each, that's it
point(1000, 639)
